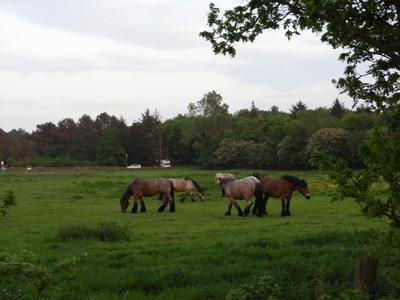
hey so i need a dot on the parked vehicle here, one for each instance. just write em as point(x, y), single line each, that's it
point(134, 166)
point(165, 163)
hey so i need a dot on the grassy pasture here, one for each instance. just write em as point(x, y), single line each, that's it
point(194, 253)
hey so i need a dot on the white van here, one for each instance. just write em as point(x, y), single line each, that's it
point(165, 163)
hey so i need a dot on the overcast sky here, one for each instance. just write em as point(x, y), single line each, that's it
point(62, 59)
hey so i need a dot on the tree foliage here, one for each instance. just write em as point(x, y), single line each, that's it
point(380, 157)
point(331, 141)
point(337, 109)
point(109, 151)
point(299, 106)
point(368, 34)
point(367, 31)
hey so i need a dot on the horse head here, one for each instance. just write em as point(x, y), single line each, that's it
point(303, 189)
point(257, 175)
point(124, 200)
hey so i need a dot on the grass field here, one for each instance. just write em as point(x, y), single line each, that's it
point(194, 253)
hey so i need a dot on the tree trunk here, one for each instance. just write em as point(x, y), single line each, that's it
point(365, 273)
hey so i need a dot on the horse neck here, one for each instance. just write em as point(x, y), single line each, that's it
point(196, 187)
point(294, 187)
point(128, 191)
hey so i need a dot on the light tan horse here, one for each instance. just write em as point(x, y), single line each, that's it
point(188, 186)
point(219, 176)
point(238, 189)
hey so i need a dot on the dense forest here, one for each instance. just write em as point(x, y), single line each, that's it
point(206, 136)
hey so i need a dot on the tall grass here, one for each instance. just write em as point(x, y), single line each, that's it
point(194, 253)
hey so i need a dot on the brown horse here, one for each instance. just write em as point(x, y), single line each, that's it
point(188, 186)
point(140, 188)
point(242, 189)
point(282, 188)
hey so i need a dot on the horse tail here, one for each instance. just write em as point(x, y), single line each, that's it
point(259, 199)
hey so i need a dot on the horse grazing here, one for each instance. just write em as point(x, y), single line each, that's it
point(188, 186)
point(140, 188)
point(282, 188)
point(219, 176)
point(242, 189)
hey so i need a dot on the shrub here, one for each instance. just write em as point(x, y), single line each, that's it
point(21, 274)
point(8, 199)
point(105, 232)
point(264, 288)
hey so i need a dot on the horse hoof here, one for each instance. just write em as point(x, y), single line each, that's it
point(227, 214)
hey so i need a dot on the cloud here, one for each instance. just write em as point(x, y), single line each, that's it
point(62, 59)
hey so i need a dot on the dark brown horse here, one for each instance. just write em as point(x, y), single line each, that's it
point(238, 189)
point(188, 186)
point(140, 188)
point(282, 188)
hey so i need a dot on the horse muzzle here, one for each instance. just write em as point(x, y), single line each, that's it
point(308, 196)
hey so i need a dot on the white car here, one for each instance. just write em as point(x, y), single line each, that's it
point(134, 166)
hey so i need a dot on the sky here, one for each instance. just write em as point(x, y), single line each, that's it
point(63, 59)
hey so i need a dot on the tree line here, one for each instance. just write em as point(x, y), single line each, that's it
point(207, 136)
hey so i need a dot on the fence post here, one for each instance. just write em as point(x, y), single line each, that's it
point(365, 273)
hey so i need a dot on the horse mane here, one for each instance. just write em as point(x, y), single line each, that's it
point(257, 175)
point(226, 180)
point(128, 190)
point(195, 184)
point(295, 180)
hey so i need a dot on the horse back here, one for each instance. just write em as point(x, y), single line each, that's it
point(232, 189)
point(151, 187)
point(241, 189)
point(275, 187)
point(182, 185)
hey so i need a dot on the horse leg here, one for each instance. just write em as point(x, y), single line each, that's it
point(164, 204)
point(254, 210)
point(266, 197)
point(240, 212)
point(263, 207)
point(284, 205)
point(142, 206)
point(228, 212)
point(183, 197)
point(135, 205)
point(191, 196)
point(288, 207)
point(171, 205)
point(247, 209)
point(257, 209)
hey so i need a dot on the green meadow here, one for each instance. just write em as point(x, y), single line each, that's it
point(194, 253)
